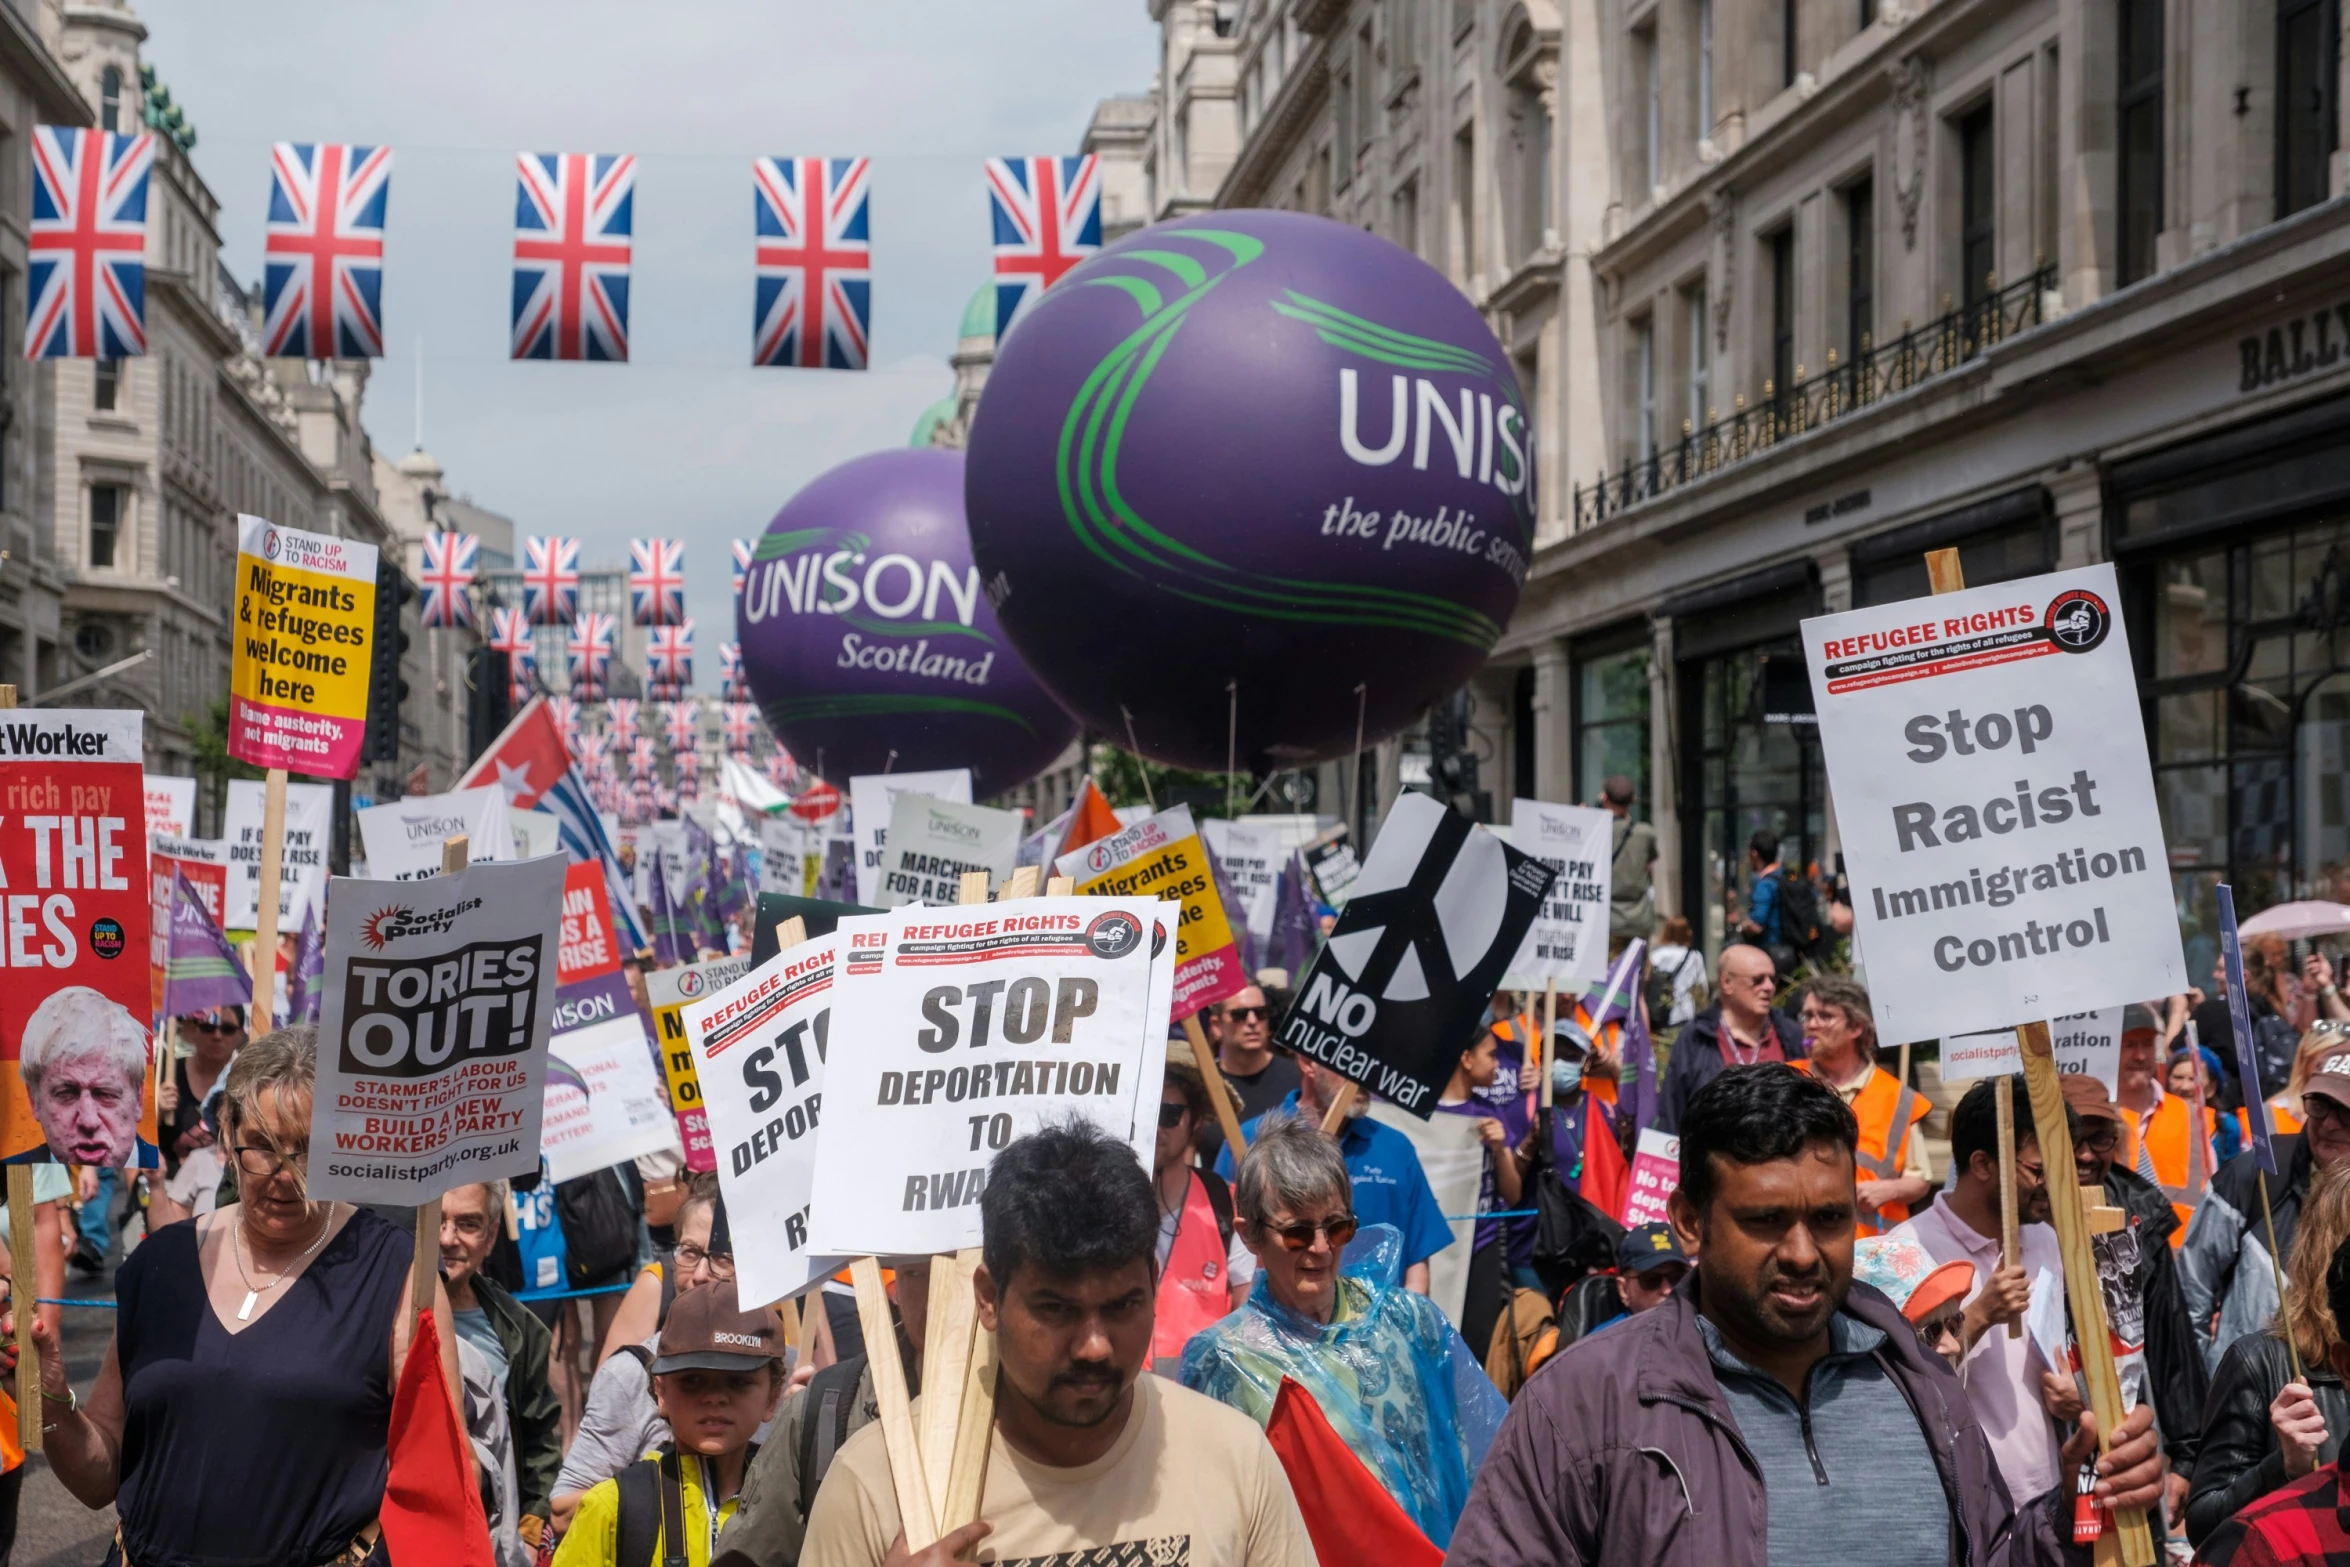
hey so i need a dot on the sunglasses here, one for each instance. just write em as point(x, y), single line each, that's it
point(1298, 1237)
point(1171, 1116)
point(1247, 1014)
point(202, 1027)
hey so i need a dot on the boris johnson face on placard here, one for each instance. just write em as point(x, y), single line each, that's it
point(84, 1066)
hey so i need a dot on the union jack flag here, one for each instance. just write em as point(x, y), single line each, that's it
point(683, 720)
point(742, 564)
point(620, 720)
point(524, 689)
point(550, 580)
point(660, 690)
point(688, 767)
point(782, 771)
point(641, 755)
point(1048, 219)
point(86, 279)
point(670, 655)
point(742, 726)
point(322, 266)
point(510, 635)
point(446, 574)
point(730, 672)
point(565, 712)
point(573, 215)
point(656, 581)
point(590, 649)
point(814, 257)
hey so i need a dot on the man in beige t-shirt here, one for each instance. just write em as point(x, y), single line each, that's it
point(1093, 1463)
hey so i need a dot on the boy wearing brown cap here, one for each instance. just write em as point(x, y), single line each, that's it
point(717, 1380)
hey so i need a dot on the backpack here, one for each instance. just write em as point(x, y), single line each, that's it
point(599, 1226)
point(832, 1405)
point(1219, 1199)
point(1524, 1336)
point(1800, 923)
point(652, 1506)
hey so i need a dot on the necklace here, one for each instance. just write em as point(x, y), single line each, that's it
point(254, 1292)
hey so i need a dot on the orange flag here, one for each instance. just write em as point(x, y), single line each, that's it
point(1090, 819)
point(432, 1506)
point(1349, 1515)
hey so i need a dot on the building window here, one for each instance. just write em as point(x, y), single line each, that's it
point(1787, 10)
point(2140, 106)
point(1644, 382)
point(1868, 12)
point(106, 510)
point(1343, 91)
point(2307, 32)
point(110, 99)
point(1366, 90)
point(1705, 69)
point(1977, 204)
point(109, 373)
point(1860, 268)
point(1782, 312)
point(1652, 149)
point(1611, 725)
point(1406, 207)
point(1755, 764)
point(1700, 357)
point(1464, 203)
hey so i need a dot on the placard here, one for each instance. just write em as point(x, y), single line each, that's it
point(603, 1100)
point(1997, 810)
point(1656, 1172)
point(76, 1074)
point(1331, 861)
point(305, 613)
point(759, 1051)
point(432, 1041)
point(1253, 851)
point(1162, 857)
point(204, 862)
point(932, 842)
point(2089, 1043)
point(310, 814)
point(669, 990)
point(1397, 991)
point(1568, 942)
point(973, 1026)
point(784, 843)
point(171, 806)
point(870, 804)
point(587, 946)
point(403, 839)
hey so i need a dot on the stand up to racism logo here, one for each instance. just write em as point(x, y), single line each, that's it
point(1255, 467)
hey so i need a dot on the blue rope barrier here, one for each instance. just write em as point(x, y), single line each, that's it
point(601, 1289)
point(1463, 1218)
point(92, 1305)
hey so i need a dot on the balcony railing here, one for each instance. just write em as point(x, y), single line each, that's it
point(1877, 372)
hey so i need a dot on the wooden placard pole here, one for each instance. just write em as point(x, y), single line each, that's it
point(1340, 1103)
point(1218, 1095)
point(2081, 1289)
point(1550, 1023)
point(425, 1271)
point(24, 1281)
point(1945, 575)
point(915, 1514)
point(273, 859)
point(792, 1313)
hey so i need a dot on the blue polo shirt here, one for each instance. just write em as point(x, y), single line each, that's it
point(1390, 1187)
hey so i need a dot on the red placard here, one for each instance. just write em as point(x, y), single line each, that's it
point(587, 947)
point(204, 863)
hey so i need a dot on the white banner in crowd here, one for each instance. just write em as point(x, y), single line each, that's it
point(932, 842)
point(536, 833)
point(1569, 940)
point(403, 839)
point(432, 1043)
point(784, 842)
point(759, 1049)
point(973, 1027)
point(871, 799)
point(1998, 817)
point(310, 814)
point(603, 1104)
point(171, 806)
point(1254, 851)
point(1452, 1156)
point(2086, 1042)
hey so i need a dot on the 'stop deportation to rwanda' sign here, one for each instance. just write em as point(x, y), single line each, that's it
point(298, 674)
point(1989, 770)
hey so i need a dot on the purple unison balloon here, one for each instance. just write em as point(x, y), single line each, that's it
point(1252, 456)
point(865, 631)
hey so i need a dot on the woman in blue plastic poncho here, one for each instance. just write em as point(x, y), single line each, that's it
point(1391, 1375)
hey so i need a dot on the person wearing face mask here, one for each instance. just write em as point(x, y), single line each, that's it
point(1583, 1145)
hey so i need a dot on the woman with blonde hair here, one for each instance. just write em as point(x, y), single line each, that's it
point(2318, 1041)
point(2263, 1426)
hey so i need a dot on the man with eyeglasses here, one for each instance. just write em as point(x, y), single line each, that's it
point(1244, 1053)
point(513, 1341)
point(2157, 1127)
point(1739, 1029)
point(2175, 1377)
point(2224, 1270)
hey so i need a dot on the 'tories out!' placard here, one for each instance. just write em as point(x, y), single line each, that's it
point(298, 676)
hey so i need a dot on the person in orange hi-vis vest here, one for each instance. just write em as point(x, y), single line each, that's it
point(1203, 1270)
point(1840, 1041)
point(2155, 1135)
point(2284, 1109)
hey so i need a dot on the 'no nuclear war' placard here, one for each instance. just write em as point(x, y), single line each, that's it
point(1998, 813)
point(305, 611)
point(974, 1026)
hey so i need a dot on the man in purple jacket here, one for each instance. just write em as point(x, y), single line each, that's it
point(1771, 1413)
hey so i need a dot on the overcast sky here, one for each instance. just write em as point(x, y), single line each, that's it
point(687, 440)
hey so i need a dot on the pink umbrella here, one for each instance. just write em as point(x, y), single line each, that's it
point(2295, 921)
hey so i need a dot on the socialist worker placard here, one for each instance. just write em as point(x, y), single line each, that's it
point(298, 674)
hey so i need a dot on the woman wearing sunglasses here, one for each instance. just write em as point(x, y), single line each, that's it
point(192, 1159)
point(1392, 1377)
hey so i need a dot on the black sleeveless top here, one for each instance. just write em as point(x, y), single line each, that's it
point(264, 1448)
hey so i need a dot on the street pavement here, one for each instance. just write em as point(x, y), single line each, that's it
point(52, 1529)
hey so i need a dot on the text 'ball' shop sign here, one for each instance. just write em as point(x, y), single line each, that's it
point(432, 1051)
point(671, 991)
point(1396, 994)
point(759, 1047)
point(1162, 856)
point(304, 614)
point(1990, 777)
point(74, 912)
point(974, 1027)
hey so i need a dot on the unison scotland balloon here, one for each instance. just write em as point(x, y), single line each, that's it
point(1258, 456)
point(865, 631)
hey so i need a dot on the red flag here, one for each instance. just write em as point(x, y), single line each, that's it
point(527, 760)
point(1349, 1515)
point(432, 1507)
point(1607, 1179)
point(1090, 820)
